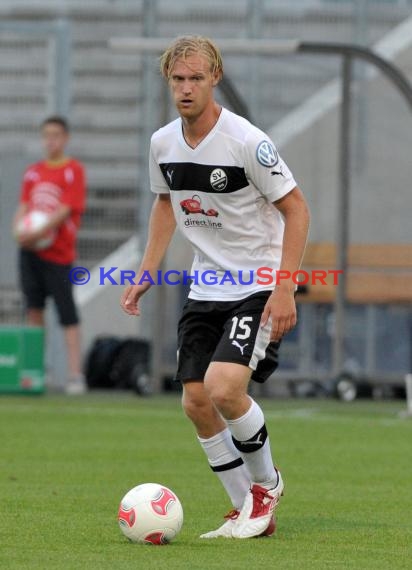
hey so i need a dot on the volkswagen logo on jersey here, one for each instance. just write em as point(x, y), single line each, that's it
point(218, 179)
point(266, 154)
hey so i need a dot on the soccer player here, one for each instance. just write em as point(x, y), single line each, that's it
point(221, 180)
point(56, 186)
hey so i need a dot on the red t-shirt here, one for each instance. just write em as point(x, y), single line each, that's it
point(46, 187)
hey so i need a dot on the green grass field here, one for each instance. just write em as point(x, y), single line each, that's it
point(66, 463)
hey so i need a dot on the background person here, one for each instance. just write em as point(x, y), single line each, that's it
point(57, 187)
point(228, 333)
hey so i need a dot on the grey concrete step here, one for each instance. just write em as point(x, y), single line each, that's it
point(115, 203)
point(94, 245)
point(102, 218)
point(115, 234)
point(118, 174)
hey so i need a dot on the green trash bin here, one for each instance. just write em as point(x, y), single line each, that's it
point(21, 360)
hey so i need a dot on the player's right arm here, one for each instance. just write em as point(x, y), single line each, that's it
point(162, 225)
point(23, 206)
point(22, 209)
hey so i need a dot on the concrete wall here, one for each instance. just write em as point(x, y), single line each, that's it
point(381, 198)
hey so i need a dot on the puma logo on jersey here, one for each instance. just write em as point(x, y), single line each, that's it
point(239, 346)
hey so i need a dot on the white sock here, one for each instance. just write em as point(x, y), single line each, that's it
point(225, 461)
point(251, 440)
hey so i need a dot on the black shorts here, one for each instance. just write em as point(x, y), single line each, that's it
point(41, 279)
point(225, 331)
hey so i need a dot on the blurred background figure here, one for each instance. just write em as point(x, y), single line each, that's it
point(56, 187)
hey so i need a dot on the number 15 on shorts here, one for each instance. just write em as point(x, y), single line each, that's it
point(240, 329)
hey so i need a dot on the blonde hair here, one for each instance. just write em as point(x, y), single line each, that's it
point(184, 46)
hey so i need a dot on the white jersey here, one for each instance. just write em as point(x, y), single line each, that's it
point(222, 193)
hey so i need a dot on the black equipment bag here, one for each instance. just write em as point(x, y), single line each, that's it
point(115, 363)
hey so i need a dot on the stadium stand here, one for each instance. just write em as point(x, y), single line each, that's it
point(106, 101)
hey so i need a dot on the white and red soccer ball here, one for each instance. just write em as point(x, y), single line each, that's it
point(150, 514)
point(36, 220)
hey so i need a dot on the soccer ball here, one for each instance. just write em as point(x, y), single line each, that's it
point(36, 220)
point(150, 514)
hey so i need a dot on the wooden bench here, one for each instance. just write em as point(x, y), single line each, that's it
point(377, 273)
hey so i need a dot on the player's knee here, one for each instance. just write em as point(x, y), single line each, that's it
point(219, 391)
point(195, 402)
point(226, 385)
point(189, 407)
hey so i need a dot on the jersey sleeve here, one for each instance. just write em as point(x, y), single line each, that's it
point(26, 186)
point(157, 182)
point(265, 168)
point(74, 192)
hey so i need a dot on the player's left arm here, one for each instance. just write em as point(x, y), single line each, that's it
point(281, 307)
point(74, 191)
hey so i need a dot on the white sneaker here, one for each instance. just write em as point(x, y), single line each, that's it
point(226, 529)
point(257, 514)
point(76, 386)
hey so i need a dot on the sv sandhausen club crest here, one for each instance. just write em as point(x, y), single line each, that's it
point(218, 179)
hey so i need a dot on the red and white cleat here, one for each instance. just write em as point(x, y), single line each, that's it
point(226, 529)
point(257, 515)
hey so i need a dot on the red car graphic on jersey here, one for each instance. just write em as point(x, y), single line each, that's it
point(193, 206)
